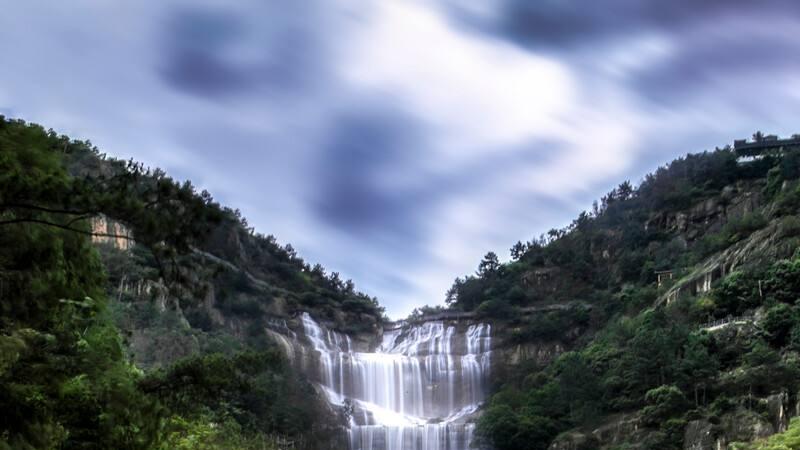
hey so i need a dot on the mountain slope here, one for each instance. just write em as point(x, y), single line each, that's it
point(174, 283)
point(134, 312)
point(707, 238)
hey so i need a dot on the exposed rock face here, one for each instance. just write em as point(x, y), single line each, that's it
point(710, 215)
point(573, 440)
point(743, 425)
point(152, 348)
point(618, 431)
point(699, 435)
point(107, 231)
point(740, 425)
point(777, 408)
point(146, 290)
point(551, 283)
point(622, 429)
point(763, 245)
point(540, 352)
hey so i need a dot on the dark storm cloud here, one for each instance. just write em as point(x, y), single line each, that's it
point(370, 177)
point(210, 52)
point(196, 41)
point(577, 23)
point(366, 154)
point(202, 73)
point(708, 57)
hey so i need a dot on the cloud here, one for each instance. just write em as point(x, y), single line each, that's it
point(478, 91)
point(266, 49)
point(363, 150)
point(196, 45)
point(397, 142)
point(711, 55)
point(570, 23)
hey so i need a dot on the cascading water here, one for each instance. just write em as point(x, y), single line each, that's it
point(416, 391)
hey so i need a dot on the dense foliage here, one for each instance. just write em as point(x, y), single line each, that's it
point(68, 309)
point(66, 376)
point(652, 361)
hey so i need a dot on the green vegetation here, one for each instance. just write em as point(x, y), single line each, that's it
point(636, 355)
point(67, 379)
point(657, 362)
point(788, 440)
point(162, 345)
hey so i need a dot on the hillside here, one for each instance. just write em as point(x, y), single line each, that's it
point(174, 284)
point(138, 313)
point(687, 333)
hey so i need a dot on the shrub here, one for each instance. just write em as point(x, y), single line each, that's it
point(735, 293)
point(782, 282)
point(496, 308)
point(662, 403)
point(778, 323)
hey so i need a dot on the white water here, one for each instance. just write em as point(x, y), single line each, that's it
point(415, 392)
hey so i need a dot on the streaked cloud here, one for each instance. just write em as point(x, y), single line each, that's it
point(397, 142)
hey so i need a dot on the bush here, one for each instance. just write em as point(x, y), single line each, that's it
point(778, 323)
point(789, 202)
point(509, 430)
point(663, 402)
point(496, 308)
point(516, 296)
point(761, 355)
point(735, 293)
point(782, 282)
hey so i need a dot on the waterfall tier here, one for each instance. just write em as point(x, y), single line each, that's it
point(416, 391)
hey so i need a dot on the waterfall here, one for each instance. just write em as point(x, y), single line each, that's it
point(416, 391)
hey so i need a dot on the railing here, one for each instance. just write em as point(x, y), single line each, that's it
point(458, 315)
point(726, 321)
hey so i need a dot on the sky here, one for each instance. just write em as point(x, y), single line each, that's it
point(397, 141)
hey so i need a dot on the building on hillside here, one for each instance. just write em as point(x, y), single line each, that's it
point(761, 145)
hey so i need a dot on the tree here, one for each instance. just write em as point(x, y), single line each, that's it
point(518, 250)
point(489, 266)
point(451, 296)
point(168, 217)
point(625, 190)
point(507, 430)
point(698, 365)
point(578, 386)
point(783, 280)
point(465, 293)
point(778, 323)
point(734, 294)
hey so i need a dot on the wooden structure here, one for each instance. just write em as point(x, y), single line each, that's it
point(663, 276)
point(765, 144)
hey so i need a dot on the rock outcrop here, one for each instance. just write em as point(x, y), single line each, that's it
point(111, 232)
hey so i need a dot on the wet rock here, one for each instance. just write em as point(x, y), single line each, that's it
point(699, 436)
point(573, 440)
point(777, 406)
point(618, 431)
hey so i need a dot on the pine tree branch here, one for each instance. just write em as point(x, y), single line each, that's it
point(63, 227)
point(46, 209)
